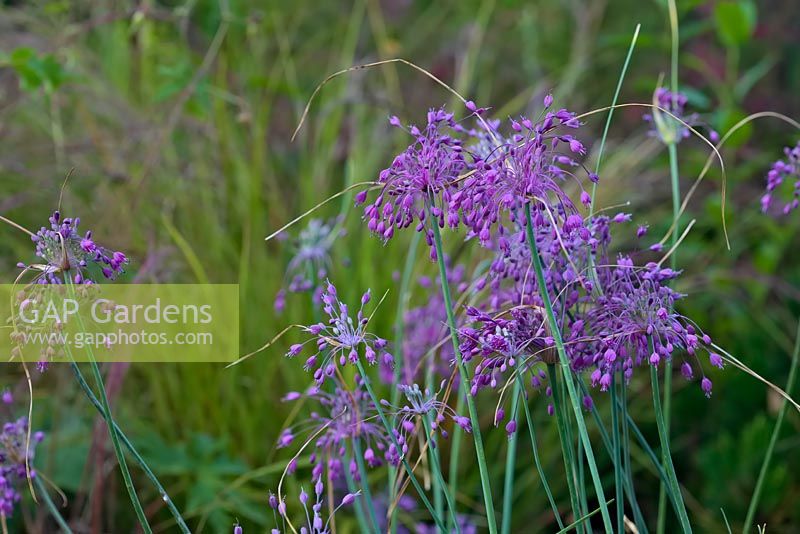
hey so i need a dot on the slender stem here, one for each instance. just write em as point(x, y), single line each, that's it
point(399, 334)
point(362, 472)
point(676, 207)
point(358, 505)
point(563, 436)
point(123, 465)
point(437, 470)
point(464, 377)
point(51, 505)
point(666, 458)
point(455, 455)
point(511, 460)
point(390, 432)
point(537, 461)
point(637, 513)
point(762, 475)
point(615, 435)
point(136, 456)
point(566, 370)
point(626, 459)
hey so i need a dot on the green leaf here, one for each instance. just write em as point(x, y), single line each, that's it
point(735, 21)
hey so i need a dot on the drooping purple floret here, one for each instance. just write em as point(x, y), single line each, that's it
point(424, 404)
point(340, 340)
point(66, 252)
point(312, 521)
point(422, 177)
point(784, 170)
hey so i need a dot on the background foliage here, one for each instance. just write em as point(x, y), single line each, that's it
point(176, 118)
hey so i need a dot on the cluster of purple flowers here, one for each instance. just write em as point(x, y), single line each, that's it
point(314, 522)
point(787, 170)
point(664, 126)
point(15, 454)
point(68, 253)
point(342, 416)
point(340, 340)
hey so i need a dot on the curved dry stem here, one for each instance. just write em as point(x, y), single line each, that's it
point(725, 137)
point(315, 208)
point(265, 346)
point(378, 64)
point(674, 247)
point(15, 225)
point(738, 364)
point(691, 129)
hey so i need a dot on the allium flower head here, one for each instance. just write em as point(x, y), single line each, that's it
point(784, 170)
point(342, 416)
point(424, 404)
point(67, 253)
point(635, 323)
point(426, 172)
point(312, 518)
point(14, 454)
point(341, 340)
point(504, 344)
point(311, 260)
point(533, 164)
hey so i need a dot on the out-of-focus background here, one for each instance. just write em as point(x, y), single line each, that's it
point(175, 119)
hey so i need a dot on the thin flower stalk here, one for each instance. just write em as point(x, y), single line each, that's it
point(108, 418)
point(362, 472)
point(389, 430)
point(51, 506)
point(511, 457)
point(666, 458)
point(536, 459)
point(566, 370)
point(463, 384)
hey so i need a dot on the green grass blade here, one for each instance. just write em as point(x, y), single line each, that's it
point(511, 461)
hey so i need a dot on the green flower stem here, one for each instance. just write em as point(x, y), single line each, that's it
point(455, 455)
point(357, 504)
point(762, 475)
point(626, 460)
point(616, 445)
point(537, 461)
point(666, 458)
point(399, 334)
point(464, 382)
point(123, 466)
point(566, 444)
point(676, 207)
point(362, 471)
point(390, 432)
point(51, 506)
point(511, 457)
point(438, 479)
point(566, 370)
point(131, 449)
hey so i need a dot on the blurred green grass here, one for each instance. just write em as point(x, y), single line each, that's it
point(177, 117)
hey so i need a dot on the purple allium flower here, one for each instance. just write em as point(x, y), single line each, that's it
point(425, 173)
point(312, 519)
point(781, 171)
point(504, 344)
point(8, 398)
point(465, 526)
point(531, 166)
point(237, 529)
point(635, 312)
point(342, 416)
point(14, 454)
point(311, 260)
point(67, 253)
point(424, 404)
point(339, 341)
